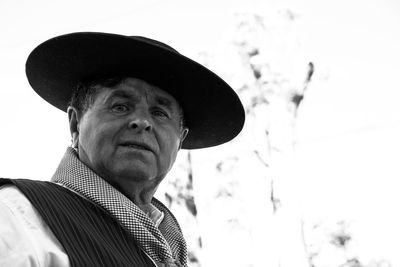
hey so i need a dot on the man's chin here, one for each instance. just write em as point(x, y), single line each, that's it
point(134, 172)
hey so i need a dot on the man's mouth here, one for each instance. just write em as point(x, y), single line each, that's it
point(137, 146)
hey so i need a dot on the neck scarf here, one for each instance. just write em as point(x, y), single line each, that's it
point(74, 174)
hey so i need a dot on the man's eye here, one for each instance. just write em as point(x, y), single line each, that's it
point(119, 108)
point(160, 113)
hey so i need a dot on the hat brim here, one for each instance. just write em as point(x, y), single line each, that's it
point(213, 111)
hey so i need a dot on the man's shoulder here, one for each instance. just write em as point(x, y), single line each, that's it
point(19, 182)
point(24, 235)
point(15, 181)
point(17, 204)
point(11, 194)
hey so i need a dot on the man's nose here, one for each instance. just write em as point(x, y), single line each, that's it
point(140, 122)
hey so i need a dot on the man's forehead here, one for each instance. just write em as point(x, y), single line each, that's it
point(134, 88)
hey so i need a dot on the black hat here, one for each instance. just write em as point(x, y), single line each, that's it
point(213, 111)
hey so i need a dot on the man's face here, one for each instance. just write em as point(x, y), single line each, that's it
point(131, 131)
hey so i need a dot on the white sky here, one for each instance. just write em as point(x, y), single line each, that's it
point(349, 124)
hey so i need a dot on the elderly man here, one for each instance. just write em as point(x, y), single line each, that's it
point(132, 104)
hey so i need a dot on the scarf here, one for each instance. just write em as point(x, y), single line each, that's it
point(75, 175)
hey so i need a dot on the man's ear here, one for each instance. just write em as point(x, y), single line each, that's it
point(73, 125)
point(184, 133)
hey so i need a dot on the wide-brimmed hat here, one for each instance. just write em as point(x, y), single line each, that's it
point(212, 110)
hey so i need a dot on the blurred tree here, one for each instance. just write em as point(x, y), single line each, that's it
point(333, 245)
point(272, 96)
point(271, 100)
point(272, 81)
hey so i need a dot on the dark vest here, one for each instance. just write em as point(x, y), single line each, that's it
point(89, 234)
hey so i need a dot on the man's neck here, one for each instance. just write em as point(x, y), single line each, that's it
point(140, 193)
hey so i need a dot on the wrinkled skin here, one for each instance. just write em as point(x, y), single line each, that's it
point(130, 136)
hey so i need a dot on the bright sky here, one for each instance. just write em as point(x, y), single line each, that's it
point(348, 126)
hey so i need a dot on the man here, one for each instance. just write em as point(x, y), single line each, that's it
point(132, 104)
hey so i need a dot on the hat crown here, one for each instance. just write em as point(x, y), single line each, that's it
point(154, 42)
